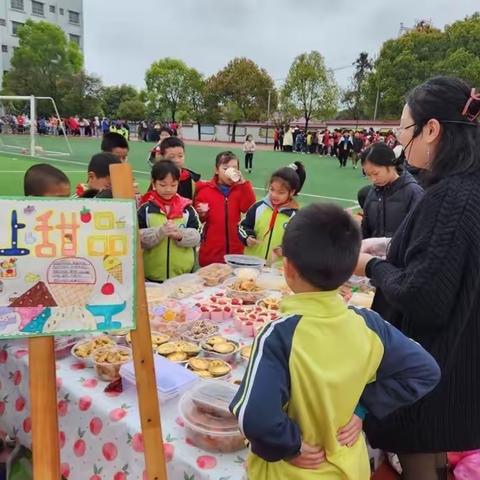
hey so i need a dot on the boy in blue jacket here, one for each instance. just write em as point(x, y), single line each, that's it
point(309, 370)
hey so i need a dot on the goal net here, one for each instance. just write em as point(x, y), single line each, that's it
point(32, 126)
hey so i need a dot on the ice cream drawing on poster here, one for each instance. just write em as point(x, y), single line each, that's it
point(66, 266)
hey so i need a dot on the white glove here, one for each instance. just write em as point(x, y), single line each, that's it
point(376, 246)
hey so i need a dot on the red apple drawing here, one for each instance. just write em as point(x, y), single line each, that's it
point(19, 404)
point(108, 289)
point(84, 403)
point(118, 413)
point(96, 425)
point(109, 451)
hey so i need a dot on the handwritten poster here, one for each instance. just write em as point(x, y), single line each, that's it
point(66, 265)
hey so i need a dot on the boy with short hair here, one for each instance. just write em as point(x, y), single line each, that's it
point(172, 148)
point(113, 142)
point(98, 177)
point(43, 180)
point(310, 369)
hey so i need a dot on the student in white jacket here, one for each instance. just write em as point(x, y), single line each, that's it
point(249, 149)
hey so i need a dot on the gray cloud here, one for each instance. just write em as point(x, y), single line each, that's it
point(122, 38)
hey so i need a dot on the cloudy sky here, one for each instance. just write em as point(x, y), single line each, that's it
point(123, 37)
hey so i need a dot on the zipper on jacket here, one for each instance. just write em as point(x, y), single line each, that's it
point(226, 225)
point(269, 242)
point(168, 258)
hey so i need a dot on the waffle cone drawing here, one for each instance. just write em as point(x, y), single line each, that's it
point(67, 294)
point(117, 273)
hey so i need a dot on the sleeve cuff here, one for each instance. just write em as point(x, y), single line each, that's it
point(360, 411)
point(371, 265)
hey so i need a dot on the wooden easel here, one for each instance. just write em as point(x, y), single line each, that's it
point(43, 390)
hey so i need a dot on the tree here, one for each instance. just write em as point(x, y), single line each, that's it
point(420, 54)
point(353, 98)
point(311, 88)
point(202, 108)
point(43, 60)
point(113, 96)
point(168, 85)
point(131, 110)
point(81, 95)
point(241, 89)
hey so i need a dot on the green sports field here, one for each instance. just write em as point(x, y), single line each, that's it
point(325, 180)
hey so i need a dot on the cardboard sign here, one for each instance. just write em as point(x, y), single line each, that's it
point(66, 266)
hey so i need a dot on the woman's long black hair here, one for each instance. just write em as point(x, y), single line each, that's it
point(444, 99)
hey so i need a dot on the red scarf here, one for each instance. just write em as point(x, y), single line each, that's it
point(172, 208)
point(276, 209)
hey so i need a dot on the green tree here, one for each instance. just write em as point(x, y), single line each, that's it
point(81, 95)
point(241, 90)
point(311, 88)
point(131, 110)
point(113, 96)
point(420, 54)
point(168, 86)
point(44, 59)
point(354, 97)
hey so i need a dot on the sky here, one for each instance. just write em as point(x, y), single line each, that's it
point(122, 37)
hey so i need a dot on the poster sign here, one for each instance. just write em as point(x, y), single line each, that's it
point(66, 266)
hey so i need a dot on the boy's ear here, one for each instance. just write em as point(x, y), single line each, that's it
point(91, 176)
point(289, 269)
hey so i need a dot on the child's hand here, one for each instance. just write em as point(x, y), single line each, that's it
point(310, 457)
point(350, 433)
point(202, 208)
point(252, 241)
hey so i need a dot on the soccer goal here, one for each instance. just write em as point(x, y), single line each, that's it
point(32, 126)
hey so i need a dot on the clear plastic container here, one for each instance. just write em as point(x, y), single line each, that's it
point(247, 297)
point(239, 261)
point(90, 346)
point(209, 425)
point(226, 357)
point(214, 274)
point(110, 371)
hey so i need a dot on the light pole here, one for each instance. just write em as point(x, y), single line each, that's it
point(268, 116)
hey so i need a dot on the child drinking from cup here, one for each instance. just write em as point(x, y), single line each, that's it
point(220, 203)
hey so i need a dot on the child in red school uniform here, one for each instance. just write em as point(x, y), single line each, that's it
point(220, 203)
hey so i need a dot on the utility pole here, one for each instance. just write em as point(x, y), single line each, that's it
point(268, 116)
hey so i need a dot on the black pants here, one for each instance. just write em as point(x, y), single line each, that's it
point(342, 157)
point(249, 161)
point(425, 466)
point(276, 145)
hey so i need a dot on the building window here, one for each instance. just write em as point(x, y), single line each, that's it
point(5, 48)
point(74, 17)
point(62, 11)
point(75, 38)
point(15, 27)
point(3, 22)
point(52, 8)
point(16, 4)
point(38, 8)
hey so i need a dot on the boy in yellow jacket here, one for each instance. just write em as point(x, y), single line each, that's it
point(309, 370)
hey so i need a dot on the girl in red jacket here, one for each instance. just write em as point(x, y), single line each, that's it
point(220, 203)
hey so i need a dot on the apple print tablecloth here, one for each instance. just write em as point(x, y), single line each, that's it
point(99, 432)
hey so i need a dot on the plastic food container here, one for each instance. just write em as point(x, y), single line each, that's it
point(110, 371)
point(209, 425)
point(246, 296)
point(63, 346)
point(226, 357)
point(171, 379)
point(214, 274)
point(239, 261)
point(88, 359)
point(198, 331)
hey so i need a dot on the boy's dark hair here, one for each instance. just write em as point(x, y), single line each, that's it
point(100, 164)
point(323, 243)
point(163, 168)
point(39, 178)
point(225, 157)
point(113, 140)
point(165, 129)
point(293, 176)
point(170, 142)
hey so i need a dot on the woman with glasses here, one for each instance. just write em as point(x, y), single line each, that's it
point(429, 284)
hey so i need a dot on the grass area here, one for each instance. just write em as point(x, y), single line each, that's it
point(325, 180)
